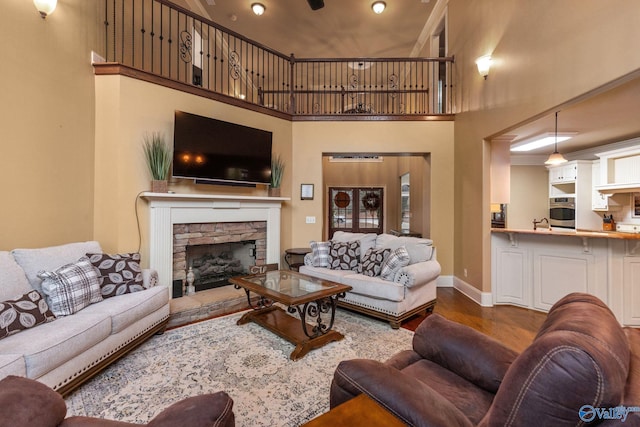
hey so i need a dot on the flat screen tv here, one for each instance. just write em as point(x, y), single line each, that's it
point(212, 151)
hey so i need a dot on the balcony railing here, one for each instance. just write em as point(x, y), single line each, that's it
point(161, 38)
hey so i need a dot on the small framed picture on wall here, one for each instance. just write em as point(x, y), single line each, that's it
point(306, 192)
point(635, 205)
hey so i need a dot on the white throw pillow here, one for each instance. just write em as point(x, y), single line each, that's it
point(397, 259)
point(320, 253)
point(71, 288)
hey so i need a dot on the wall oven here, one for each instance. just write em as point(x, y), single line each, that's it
point(562, 212)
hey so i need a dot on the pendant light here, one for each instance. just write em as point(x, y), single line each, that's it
point(556, 158)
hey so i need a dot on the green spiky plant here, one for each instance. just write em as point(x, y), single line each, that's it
point(158, 155)
point(277, 171)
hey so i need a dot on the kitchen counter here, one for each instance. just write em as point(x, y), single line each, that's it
point(534, 269)
point(565, 232)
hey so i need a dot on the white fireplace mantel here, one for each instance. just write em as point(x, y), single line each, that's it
point(167, 209)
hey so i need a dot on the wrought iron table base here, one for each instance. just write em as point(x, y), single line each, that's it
point(305, 336)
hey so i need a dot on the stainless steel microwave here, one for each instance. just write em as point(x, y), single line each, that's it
point(562, 212)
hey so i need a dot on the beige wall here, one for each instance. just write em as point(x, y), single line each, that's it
point(126, 109)
point(46, 116)
point(311, 139)
point(546, 53)
point(529, 196)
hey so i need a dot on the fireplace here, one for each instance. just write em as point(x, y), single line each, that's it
point(215, 252)
point(178, 221)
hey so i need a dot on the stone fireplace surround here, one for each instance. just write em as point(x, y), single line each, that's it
point(168, 209)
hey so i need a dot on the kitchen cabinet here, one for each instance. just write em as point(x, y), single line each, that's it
point(558, 272)
point(631, 290)
point(620, 170)
point(574, 179)
point(563, 173)
point(536, 270)
point(600, 202)
point(512, 284)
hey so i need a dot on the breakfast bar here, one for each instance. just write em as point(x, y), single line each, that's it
point(535, 268)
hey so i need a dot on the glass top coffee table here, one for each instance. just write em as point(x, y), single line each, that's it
point(313, 299)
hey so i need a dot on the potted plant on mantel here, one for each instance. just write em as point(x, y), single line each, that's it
point(158, 155)
point(277, 170)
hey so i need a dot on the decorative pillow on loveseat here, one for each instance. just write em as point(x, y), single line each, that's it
point(345, 256)
point(397, 259)
point(22, 313)
point(71, 288)
point(373, 260)
point(320, 253)
point(119, 274)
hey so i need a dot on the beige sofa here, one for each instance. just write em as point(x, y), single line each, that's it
point(410, 291)
point(67, 351)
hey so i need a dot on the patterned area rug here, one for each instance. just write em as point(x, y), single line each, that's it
point(248, 362)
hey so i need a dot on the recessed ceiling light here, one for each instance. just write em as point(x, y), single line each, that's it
point(378, 7)
point(258, 8)
point(540, 141)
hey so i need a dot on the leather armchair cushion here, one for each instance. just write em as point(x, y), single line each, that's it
point(25, 402)
point(198, 411)
point(409, 399)
point(474, 356)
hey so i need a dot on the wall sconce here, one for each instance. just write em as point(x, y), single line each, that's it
point(45, 7)
point(484, 64)
point(378, 7)
point(258, 8)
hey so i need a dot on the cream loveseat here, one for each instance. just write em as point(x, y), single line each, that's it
point(408, 287)
point(66, 350)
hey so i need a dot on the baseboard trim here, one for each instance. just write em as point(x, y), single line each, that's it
point(484, 299)
point(444, 282)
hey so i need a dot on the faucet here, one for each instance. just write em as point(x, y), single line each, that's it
point(535, 223)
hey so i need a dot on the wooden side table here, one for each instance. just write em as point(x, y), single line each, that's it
point(359, 411)
point(291, 254)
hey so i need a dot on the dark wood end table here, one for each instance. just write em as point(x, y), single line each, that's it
point(291, 254)
point(313, 299)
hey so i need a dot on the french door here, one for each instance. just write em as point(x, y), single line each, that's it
point(355, 209)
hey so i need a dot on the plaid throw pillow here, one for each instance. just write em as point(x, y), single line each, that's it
point(320, 253)
point(118, 274)
point(397, 259)
point(372, 261)
point(345, 256)
point(71, 287)
point(23, 313)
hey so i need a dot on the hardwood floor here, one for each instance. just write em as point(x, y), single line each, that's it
point(515, 327)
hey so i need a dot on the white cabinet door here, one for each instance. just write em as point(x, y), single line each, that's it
point(563, 174)
point(556, 174)
point(570, 172)
point(511, 276)
point(631, 291)
point(557, 274)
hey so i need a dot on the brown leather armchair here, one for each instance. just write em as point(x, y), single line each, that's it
point(26, 402)
point(580, 361)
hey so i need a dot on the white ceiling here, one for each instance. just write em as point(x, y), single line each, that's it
point(608, 115)
point(350, 29)
point(341, 29)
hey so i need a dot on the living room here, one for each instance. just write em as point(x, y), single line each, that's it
point(72, 165)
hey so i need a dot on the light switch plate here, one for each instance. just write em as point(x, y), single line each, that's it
point(311, 220)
